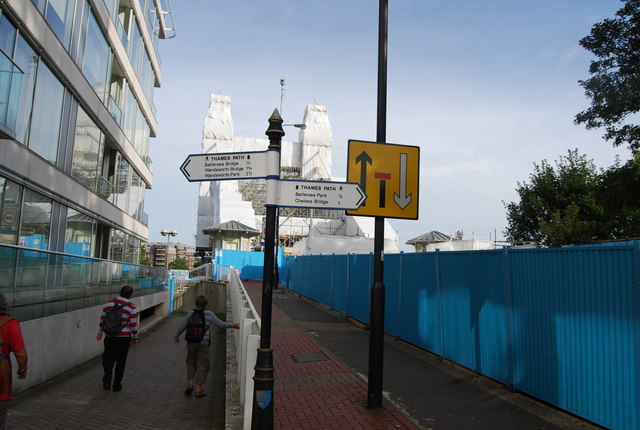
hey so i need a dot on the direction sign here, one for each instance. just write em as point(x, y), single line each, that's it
point(225, 166)
point(320, 194)
point(389, 175)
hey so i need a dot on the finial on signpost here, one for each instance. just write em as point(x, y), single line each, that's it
point(275, 131)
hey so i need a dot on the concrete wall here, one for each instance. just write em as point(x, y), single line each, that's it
point(58, 343)
point(216, 292)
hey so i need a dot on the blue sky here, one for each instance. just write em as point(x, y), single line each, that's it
point(484, 88)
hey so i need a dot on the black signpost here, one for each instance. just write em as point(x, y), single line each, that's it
point(376, 317)
point(288, 193)
point(263, 398)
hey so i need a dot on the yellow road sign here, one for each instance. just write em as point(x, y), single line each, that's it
point(389, 175)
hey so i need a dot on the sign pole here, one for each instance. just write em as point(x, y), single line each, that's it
point(263, 398)
point(376, 316)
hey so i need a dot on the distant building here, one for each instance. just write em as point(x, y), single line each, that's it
point(160, 256)
point(420, 243)
point(434, 240)
point(300, 230)
point(233, 235)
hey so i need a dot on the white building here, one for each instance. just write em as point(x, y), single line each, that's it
point(309, 157)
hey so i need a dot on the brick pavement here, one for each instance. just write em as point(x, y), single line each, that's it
point(322, 394)
point(152, 397)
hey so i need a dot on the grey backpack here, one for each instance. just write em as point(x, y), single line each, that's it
point(112, 321)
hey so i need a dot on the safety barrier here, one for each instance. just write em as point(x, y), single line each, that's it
point(247, 341)
point(39, 283)
point(560, 324)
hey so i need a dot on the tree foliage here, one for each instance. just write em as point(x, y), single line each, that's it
point(576, 203)
point(179, 264)
point(614, 85)
point(144, 259)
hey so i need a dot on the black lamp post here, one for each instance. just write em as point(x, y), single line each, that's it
point(263, 395)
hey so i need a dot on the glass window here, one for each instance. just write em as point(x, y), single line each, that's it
point(136, 197)
point(35, 224)
point(117, 245)
point(136, 48)
point(10, 83)
point(122, 183)
point(7, 36)
point(87, 151)
point(112, 6)
point(10, 198)
point(26, 58)
point(80, 233)
point(40, 4)
point(133, 250)
point(130, 109)
point(141, 127)
point(97, 59)
point(59, 15)
point(47, 111)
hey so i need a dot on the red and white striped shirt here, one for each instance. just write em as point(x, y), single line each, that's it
point(129, 318)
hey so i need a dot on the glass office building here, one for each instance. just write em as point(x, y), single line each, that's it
point(76, 118)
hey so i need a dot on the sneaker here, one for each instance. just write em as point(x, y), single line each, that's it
point(117, 387)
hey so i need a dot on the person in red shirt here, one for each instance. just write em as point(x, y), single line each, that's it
point(12, 342)
point(116, 348)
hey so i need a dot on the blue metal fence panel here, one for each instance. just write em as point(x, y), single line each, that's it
point(574, 331)
point(340, 294)
point(473, 311)
point(359, 284)
point(562, 325)
point(418, 314)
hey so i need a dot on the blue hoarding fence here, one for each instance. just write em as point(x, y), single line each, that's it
point(559, 324)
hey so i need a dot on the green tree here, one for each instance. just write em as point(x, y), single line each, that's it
point(144, 259)
point(618, 194)
point(559, 206)
point(614, 85)
point(179, 264)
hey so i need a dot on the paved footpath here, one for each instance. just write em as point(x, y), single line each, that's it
point(313, 389)
point(152, 397)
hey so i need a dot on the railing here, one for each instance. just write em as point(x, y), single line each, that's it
point(41, 283)
point(247, 341)
point(203, 273)
point(165, 16)
point(106, 190)
point(115, 110)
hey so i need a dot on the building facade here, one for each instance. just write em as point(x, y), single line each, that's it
point(76, 119)
point(161, 254)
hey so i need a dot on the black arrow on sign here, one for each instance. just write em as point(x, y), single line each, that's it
point(184, 167)
point(364, 159)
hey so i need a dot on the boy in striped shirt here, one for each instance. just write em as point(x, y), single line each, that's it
point(116, 347)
